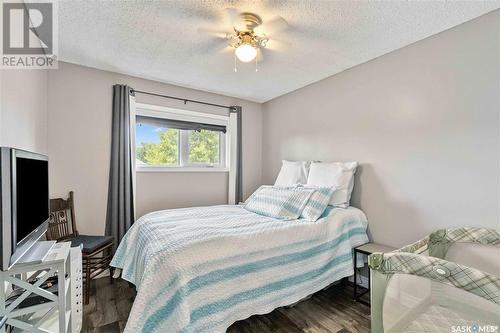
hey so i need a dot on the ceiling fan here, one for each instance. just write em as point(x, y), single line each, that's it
point(250, 34)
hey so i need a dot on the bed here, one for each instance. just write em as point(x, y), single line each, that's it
point(201, 269)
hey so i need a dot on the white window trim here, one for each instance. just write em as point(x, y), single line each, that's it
point(155, 168)
point(157, 111)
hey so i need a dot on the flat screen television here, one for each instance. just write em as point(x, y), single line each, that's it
point(24, 202)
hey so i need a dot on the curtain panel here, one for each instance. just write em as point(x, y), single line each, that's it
point(121, 192)
point(235, 191)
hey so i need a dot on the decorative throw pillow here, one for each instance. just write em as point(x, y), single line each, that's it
point(337, 174)
point(284, 203)
point(317, 203)
point(292, 173)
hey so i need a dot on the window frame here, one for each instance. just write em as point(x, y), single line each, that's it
point(163, 112)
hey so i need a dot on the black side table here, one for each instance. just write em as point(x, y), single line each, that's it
point(367, 249)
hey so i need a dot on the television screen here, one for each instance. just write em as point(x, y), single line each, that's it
point(32, 195)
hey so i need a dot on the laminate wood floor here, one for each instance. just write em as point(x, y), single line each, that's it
point(327, 311)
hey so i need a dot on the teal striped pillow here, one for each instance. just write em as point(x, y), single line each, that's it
point(284, 203)
point(317, 203)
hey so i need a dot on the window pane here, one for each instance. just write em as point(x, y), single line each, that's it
point(204, 147)
point(156, 145)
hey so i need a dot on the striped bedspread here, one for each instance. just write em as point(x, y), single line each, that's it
point(201, 269)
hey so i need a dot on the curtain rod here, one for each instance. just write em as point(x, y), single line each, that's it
point(185, 100)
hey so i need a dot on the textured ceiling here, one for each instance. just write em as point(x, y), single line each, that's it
point(160, 40)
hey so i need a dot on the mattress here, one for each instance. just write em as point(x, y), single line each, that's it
point(437, 318)
point(201, 269)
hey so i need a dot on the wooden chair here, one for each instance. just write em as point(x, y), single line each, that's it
point(96, 250)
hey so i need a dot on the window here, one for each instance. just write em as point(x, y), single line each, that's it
point(156, 145)
point(170, 139)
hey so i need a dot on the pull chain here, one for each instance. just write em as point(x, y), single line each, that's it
point(236, 67)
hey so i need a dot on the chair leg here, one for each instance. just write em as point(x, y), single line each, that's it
point(111, 271)
point(87, 280)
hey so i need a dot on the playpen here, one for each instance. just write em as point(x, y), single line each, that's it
point(447, 282)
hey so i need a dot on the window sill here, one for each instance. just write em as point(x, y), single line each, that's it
point(180, 169)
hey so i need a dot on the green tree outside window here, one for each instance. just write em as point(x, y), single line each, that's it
point(203, 147)
point(166, 152)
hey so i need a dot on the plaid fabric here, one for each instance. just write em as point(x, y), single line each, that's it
point(317, 203)
point(458, 235)
point(284, 203)
point(417, 247)
point(466, 278)
point(467, 235)
point(469, 279)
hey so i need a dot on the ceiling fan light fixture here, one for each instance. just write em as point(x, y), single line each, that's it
point(245, 52)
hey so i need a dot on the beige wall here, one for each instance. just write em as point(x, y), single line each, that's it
point(1, 106)
point(79, 104)
point(423, 121)
point(23, 109)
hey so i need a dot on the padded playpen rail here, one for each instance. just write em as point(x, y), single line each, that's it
point(409, 260)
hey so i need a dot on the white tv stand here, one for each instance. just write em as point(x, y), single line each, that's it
point(36, 254)
point(61, 312)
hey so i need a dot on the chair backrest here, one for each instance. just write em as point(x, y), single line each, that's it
point(62, 222)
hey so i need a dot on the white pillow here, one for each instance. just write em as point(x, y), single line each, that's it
point(337, 174)
point(292, 173)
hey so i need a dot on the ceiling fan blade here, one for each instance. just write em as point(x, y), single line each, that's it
point(277, 45)
point(227, 50)
point(274, 25)
point(260, 55)
point(268, 55)
point(233, 15)
point(213, 32)
point(209, 46)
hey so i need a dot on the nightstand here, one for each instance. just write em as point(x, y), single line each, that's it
point(367, 249)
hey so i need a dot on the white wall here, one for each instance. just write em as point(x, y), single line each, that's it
point(423, 121)
point(1, 106)
point(79, 104)
point(23, 109)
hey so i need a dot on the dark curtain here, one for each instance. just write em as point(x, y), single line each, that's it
point(120, 213)
point(239, 159)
